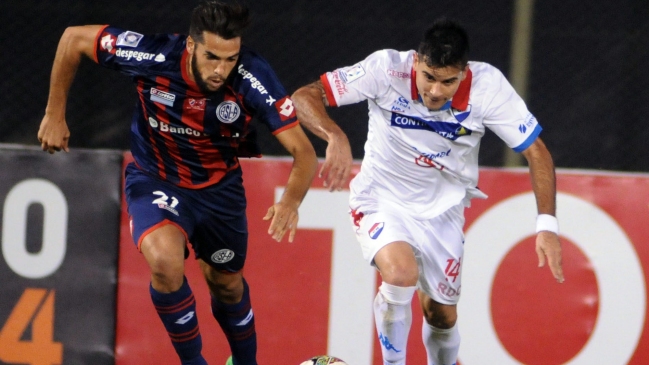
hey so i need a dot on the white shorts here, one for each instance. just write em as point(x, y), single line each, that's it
point(438, 244)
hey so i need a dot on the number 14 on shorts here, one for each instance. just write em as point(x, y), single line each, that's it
point(452, 269)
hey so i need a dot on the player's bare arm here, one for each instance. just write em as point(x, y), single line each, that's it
point(284, 214)
point(544, 186)
point(75, 43)
point(310, 102)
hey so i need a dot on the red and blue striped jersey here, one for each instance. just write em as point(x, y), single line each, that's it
point(178, 133)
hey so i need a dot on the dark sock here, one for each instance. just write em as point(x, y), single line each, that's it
point(177, 311)
point(238, 324)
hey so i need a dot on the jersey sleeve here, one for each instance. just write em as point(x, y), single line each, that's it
point(365, 80)
point(507, 115)
point(127, 51)
point(265, 95)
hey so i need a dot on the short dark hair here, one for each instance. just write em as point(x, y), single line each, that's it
point(445, 43)
point(225, 20)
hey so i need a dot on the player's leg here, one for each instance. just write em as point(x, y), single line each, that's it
point(392, 304)
point(232, 309)
point(439, 331)
point(440, 285)
point(159, 231)
point(221, 243)
point(164, 250)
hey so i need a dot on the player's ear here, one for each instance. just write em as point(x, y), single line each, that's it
point(190, 45)
point(416, 59)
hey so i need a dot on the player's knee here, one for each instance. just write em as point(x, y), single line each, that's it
point(442, 318)
point(400, 275)
point(226, 287)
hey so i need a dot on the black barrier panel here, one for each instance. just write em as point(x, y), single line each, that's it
point(59, 220)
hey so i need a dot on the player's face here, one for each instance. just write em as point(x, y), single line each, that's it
point(437, 85)
point(213, 60)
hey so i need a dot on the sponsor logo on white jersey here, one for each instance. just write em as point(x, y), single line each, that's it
point(139, 56)
point(530, 120)
point(254, 83)
point(399, 74)
point(129, 39)
point(449, 130)
point(400, 105)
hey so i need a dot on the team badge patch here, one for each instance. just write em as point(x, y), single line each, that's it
point(129, 39)
point(353, 73)
point(376, 230)
point(222, 256)
point(162, 97)
point(228, 112)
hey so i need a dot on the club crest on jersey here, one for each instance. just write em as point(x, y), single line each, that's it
point(228, 112)
point(222, 256)
point(129, 39)
point(376, 230)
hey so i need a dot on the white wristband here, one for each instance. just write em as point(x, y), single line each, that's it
point(546, 222)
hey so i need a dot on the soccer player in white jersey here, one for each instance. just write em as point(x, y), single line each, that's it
point(428, 110)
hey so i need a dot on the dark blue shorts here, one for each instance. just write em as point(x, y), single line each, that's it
point(213, 219)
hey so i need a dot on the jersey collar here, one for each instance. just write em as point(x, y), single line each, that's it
point(460, 100)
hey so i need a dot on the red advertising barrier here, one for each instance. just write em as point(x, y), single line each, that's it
point(314, 296)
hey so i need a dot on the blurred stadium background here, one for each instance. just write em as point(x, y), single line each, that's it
point(581, 67)
point(586, 80)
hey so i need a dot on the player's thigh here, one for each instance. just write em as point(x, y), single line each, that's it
point(397, 263)
point(220, 236)
point(440, 255)
point(377, 230)
point(153, 204)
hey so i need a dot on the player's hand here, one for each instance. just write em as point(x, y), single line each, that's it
point(548, 245)
point(338, 163)
point(53, 134)
point(283, 218)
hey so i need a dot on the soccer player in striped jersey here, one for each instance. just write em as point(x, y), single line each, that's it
point(197, 95)
point(428, 110)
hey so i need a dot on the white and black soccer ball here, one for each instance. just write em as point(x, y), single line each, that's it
point(324, 360)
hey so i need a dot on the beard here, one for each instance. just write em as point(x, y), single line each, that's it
point(200, 82)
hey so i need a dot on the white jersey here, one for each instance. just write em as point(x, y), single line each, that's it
point(422, 161)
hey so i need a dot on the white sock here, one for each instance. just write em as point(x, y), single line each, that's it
point(393, 316)
point(442, 345)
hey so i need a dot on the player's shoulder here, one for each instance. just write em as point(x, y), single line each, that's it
point(132, 45)
point(391, 58)
point(252, 62)
point(255, 79)
point(483, 72)
point(486, 78)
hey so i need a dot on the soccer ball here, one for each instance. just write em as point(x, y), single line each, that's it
point(324, 360)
